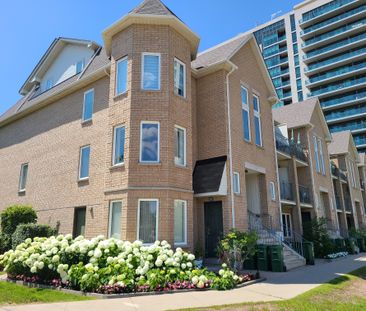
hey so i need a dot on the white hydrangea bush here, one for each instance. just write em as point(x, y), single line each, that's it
point(107, 265)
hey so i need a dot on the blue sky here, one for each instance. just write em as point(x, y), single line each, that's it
point(28, 27)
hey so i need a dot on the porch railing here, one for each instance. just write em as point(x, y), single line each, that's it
point(305, 195)
point(287, 192)
point(282, 144)
point(269, 234)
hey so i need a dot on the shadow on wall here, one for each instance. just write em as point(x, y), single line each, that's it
point(66, 110)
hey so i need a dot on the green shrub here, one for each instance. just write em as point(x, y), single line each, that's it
point(25, 231)
point(11, 217)
point(15, 215)
point(316, 232)
point(5, 243)
point(236, 247)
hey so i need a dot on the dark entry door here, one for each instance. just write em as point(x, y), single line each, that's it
point(79, 221)
point(213, 227)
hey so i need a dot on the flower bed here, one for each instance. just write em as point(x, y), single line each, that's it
point(110, 266)
point(336, 255)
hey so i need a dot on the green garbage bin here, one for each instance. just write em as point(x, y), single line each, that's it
point(340, 244)
point(350, 246)
point(262, 258)
point(309, 253)
point(361, 244)
point(276, 255)
point(251, 263)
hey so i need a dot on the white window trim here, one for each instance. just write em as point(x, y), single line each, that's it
point(110, 216)
point(236, 174)
point(258, 115)
point(185, 146)
point(185, 242)
point(140, 157)
point(116, 78)
point(21, 177)
point(82, 117)
point(142, 70)
point(114, 145)
point(157, 219)
point(316, 153)
point(245, 106)
point(272, 190)
point(321, 156)
point(80, 158)
point(184, 78)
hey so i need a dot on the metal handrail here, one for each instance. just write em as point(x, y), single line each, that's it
point(268, 234)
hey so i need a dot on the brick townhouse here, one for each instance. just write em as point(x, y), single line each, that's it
point(306, 188)
point(141, 138)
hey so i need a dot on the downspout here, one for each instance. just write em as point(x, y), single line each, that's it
point(234, 67)
point(277, 176)
point(315, 196)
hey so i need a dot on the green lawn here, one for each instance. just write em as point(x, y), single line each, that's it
point(17, 294)
point(346, 293)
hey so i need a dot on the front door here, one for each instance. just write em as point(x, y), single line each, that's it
point(213, 227)
point(287, 225)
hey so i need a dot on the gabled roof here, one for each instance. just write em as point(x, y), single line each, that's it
point(53, 50)
point(152, 12)
point(222, 54)
point(342, 144)
point(152, 7)
point(35, 99)
point(296, 116)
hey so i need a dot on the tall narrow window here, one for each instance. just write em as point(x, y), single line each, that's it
point(322, 163)
point(180, 146)
point(119, 145)
point(79, 66)
point(150, 142)
point(88, 105)
point(23, 177)
point(121, 76)
point(150, 71)
point(316, 152)
point(115, 212)
point(84, 162)
point(257, 121)
point(245, 113)
point(148, 220)
point(180, 222)
point(179, 78)
point(272, 190)
point(236, 183)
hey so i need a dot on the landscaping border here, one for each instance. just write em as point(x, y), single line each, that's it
point(125, 295)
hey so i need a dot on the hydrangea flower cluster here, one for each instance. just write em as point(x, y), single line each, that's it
point(109, 265)
point(336, 255)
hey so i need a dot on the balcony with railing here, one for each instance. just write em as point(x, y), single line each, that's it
point(339, 85)
point(282, 144)
point(350, 112)
point(287, 193)
point(277, 72)
point(335, 33)
point(336, 47)
point(305, 195)
point(347, 203)
point(336, 59)
point(338, 202)
point(354, 126)
point(333, 20)
point(350, 97)
point(325, 9)
point(338, 72)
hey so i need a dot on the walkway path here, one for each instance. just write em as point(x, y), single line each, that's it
point(277, 286)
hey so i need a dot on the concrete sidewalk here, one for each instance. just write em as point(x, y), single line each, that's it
point(277, 286)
